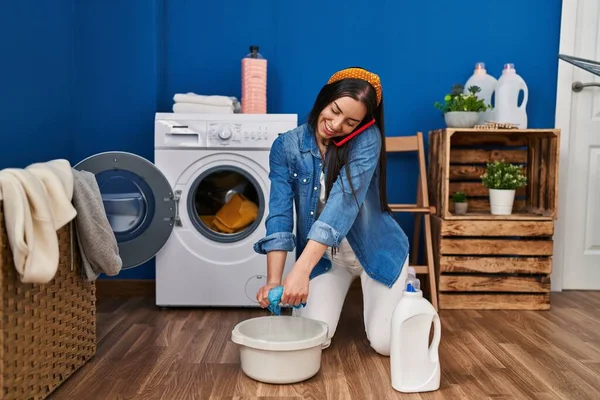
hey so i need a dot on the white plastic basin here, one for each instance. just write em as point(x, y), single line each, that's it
point(280, 349)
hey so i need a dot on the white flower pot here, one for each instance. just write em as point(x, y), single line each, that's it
point(461, 119)
point(501, 201)
point(461, 208)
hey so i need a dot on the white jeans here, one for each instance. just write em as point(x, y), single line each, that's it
point(327, 293)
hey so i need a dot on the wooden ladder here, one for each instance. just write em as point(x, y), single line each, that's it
point(402, 144)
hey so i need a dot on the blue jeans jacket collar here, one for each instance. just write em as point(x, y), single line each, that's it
point(309, 142)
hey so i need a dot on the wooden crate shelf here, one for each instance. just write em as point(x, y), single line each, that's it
point(458, 157)
point(493, 264)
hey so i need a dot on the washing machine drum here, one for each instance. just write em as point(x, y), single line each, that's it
point(226, 204)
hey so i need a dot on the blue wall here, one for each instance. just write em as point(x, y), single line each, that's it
point(36, 71)
point(93, 73)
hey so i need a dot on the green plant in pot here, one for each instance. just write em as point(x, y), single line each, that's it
point(460, 203)
point(503, 179)
point(461, 110)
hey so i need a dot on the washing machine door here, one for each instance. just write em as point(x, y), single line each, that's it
point(139, 202)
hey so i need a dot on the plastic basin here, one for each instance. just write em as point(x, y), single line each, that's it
point(280, 349)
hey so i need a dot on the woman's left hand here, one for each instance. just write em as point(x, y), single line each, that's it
point(295, 287)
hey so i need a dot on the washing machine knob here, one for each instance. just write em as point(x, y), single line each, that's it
point(225, 133)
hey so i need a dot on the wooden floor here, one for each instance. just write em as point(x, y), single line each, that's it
point(148, 353)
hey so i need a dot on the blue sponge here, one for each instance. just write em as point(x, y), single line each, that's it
point(275, 295)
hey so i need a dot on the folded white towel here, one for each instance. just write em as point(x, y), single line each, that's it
point(201, 108)
point(36, 201)
point(210, 100)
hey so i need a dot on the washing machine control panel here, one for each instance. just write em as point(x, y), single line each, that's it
point(240, 134)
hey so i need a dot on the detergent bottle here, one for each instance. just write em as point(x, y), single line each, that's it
point(254, 83)
point(487, 84)
point(414, 364)
point(507, 98)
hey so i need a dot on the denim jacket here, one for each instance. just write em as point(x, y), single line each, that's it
point(379, 243)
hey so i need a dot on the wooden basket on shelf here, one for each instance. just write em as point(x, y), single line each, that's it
point(47, 331)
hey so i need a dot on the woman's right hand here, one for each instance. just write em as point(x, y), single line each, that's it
point(262, 296)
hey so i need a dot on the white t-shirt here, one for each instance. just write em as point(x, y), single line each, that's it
point(344, 253)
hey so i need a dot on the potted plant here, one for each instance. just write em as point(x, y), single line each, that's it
point(502, 179)
point(461, 110)
point(460, 203)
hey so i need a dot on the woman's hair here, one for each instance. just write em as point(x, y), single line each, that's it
point(337, 157)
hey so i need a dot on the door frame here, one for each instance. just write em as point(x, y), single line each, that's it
point(562, 119)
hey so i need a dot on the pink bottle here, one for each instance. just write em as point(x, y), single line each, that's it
point(254, 83)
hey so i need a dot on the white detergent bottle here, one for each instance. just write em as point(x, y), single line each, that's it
point(507, 98)
point(414, 364)
point(487, 84)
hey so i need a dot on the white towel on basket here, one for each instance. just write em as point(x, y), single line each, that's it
point(36, 202)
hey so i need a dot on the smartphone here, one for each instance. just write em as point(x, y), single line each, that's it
point(353, 134)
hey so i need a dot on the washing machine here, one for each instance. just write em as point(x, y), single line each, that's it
point(179, 208)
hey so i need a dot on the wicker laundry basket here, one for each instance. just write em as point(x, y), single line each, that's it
point(47, 331)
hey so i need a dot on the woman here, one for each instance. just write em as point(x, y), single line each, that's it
point(335, 172)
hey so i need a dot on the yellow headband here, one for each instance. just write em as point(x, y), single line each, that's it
point(359, 73)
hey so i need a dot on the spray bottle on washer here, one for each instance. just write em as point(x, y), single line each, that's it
point(415, 366)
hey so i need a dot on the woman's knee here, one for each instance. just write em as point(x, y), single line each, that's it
point(379, 340)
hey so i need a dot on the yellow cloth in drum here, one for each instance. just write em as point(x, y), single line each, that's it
point(236, 214)
point(208, 220)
